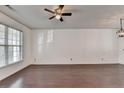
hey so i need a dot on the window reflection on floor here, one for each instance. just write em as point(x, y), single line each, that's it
point(18, 83)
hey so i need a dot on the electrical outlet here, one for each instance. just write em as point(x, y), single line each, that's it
point(71, 59)
point(34, 59)
point(102, 59)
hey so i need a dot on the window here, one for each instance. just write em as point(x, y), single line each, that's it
point(11, 45)
point(2, 43)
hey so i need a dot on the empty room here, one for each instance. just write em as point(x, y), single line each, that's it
point(61, 46)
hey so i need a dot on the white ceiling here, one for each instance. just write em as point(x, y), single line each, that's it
point(83, 16)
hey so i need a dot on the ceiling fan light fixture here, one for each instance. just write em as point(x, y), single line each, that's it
point(58, 13)
point(58, 17)
point(121, 31)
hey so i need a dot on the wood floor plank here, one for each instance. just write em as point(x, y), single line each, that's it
point(67, 76)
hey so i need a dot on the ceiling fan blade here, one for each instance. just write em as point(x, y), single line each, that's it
point(61, 19)
point(51, 17)
point(8, 6)
point(66, 14)
point(49, 11)
point(61, 7)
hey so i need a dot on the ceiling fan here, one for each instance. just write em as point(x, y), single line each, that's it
point(57, 13)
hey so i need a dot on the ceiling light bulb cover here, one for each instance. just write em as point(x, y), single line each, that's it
point(58, 17)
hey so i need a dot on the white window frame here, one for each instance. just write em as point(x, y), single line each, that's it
point(6, 46)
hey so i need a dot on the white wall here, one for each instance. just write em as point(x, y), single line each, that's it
point(84, 46)
point(6, 71)
point(121, 50)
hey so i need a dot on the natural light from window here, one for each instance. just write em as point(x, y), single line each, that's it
point(11, 45)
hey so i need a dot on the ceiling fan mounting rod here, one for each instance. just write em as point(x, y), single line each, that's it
point(121, 23)
point(58, 11)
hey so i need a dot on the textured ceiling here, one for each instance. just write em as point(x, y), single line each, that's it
point(83, 16)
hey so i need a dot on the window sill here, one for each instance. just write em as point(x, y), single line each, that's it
point(17, 62)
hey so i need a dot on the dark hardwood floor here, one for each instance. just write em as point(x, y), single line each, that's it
point(67, 76)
